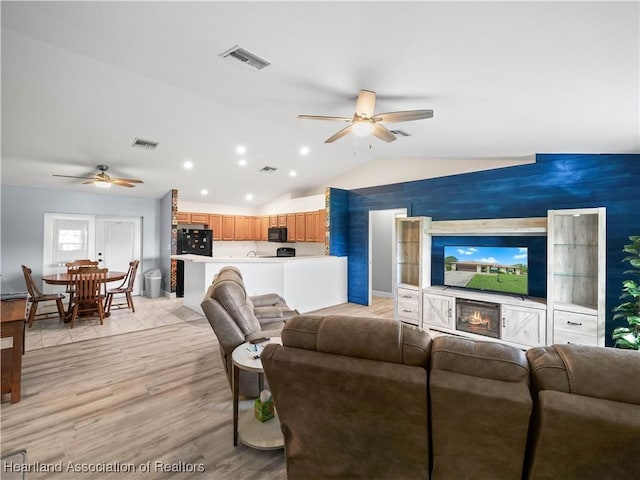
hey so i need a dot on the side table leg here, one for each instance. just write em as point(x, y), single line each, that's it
point(236, 390)
point(260, 382)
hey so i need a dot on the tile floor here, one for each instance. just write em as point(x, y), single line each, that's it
point(149, 313)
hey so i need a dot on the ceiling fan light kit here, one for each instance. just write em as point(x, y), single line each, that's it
point(366, 122)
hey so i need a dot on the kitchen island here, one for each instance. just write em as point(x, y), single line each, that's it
point(305, 282)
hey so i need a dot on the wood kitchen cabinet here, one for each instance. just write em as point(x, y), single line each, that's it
point(301, 224)
point(228, 227)
point(183, 218)
point(255, 228)
point(291, 227)
point(264, 228)
point(311, 226)
point(282, 219)
point(242, 228)
point(215, 224)
point(200, 218)
point(273, 220)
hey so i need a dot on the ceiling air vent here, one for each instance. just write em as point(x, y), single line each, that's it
point(138, 142)
point(246, 57)
point(267, 169)
point(400, 133)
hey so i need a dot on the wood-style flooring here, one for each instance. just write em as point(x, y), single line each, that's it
point(158, 395)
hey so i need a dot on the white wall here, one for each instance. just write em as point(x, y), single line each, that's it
point(23, 210)
point(287, 203)
point(388, 171)
point(381, 251)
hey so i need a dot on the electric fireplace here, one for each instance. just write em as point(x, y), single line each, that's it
point(475, 316)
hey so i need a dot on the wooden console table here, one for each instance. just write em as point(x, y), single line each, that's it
point(12, 322)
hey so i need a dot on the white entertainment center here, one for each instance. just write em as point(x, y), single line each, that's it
point(572, 312)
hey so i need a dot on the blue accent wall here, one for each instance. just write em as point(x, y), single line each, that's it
point(338, 222)
point(555, 181)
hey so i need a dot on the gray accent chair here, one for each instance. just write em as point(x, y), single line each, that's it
point(237, 318)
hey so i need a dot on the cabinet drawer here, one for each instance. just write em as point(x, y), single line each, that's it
point(408, 296)
point(568, 326)
point(409, 313)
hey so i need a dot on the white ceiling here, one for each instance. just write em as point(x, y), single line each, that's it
point(506, 80)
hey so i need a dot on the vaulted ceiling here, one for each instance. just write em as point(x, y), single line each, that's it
point(81, 80)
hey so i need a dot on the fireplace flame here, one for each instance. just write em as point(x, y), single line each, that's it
point(477, 319)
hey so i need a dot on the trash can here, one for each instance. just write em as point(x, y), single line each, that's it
point(152, 280)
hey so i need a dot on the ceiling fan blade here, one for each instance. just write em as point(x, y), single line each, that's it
point(405, 116)
point(382, 133)
point(366, 103)
point(321, 117)
point(73, 176)
point(121, 183)
point(339, 135)
point(126, 180)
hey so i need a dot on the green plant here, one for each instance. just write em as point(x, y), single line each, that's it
point(629, 337)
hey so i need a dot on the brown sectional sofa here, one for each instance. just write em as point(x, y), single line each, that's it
point(363, 398)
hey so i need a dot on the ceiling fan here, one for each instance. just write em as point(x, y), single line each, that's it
point(365, 121)
point(103, 180)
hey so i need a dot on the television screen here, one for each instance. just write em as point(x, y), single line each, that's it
point(499, 269)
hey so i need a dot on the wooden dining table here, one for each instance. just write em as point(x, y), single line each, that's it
point(65, 279)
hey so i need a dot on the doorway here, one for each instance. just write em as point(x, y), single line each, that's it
point(113, 241)
point(382, 252)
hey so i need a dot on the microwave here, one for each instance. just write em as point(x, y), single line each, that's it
point(277, 234)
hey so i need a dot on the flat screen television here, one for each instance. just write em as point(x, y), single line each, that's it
point(496, 269)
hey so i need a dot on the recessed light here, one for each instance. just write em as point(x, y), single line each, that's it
point(241, 149)
point(249, 196)
point(304, 150)
point(204, 191)
point(242, 162)
point(188, 164)
point(292, 173)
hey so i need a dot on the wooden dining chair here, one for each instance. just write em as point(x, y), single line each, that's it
point(36, 296)
point(125, 288)
point(87, 296)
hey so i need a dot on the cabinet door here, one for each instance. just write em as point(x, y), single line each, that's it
point(438, 311)
point(311, 226)
point(183, 217)
point(228, 227)
point(291, 227)
point(264, 228)
point(255, 228)
point(215, 224)
point(243, 227)
point(301, 221)
point(200, 218)
point(524, 326)
point(273, 220)
point(282, 220)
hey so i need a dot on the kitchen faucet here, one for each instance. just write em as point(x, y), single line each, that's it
point(251, 253)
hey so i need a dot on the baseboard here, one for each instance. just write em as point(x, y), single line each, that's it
point(376, 293)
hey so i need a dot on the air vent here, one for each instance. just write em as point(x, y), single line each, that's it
point(138, 142)
point(245, 57)
point(400, 133)
point(267, 169)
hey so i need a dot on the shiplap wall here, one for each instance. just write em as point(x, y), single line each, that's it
point(555, 181)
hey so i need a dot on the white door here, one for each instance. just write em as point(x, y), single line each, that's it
point(67, 237)
point(113, 241)
point(118, 243)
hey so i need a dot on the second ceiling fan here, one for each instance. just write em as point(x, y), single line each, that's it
point(365, 121)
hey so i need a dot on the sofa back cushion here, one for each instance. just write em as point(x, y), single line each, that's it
point(589, 371)
point(479, 359)
point(229, 291)
point(371, 338)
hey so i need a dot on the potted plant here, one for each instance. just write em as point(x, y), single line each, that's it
point(629, 337)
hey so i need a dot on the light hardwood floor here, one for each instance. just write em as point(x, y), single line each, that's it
point(156, 395)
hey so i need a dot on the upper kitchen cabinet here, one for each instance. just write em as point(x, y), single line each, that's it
point(200, 218)
point(242, 228)
point(301, 224)
point(215, 224)
point(183, 218)
point(291, 227)
point(228, 227)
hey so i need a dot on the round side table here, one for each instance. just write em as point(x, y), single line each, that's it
point(252, 432)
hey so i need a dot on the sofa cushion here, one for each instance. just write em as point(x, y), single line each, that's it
point(370, 338)
point(479, 359)
point(590, 371)
point(229, 291)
